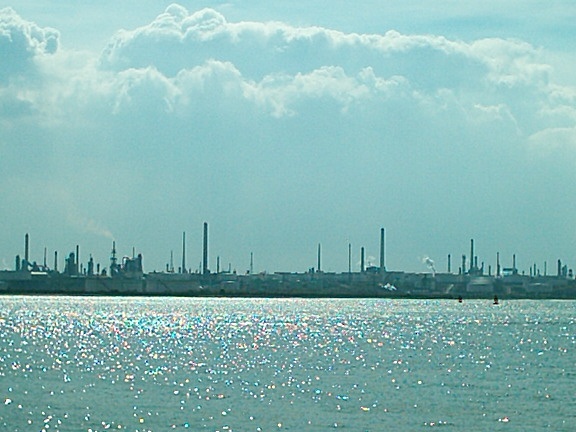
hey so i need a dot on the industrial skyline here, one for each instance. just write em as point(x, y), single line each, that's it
point(471, 264)
point(287, 126)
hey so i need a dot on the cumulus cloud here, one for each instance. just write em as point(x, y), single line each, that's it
point(279, 68)
point(278, 65)
point(185, 40)
point(21, 42)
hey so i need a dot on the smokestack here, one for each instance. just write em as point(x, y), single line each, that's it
point(55, 261)
point(498, 264)
point(472, 265)
point(362, 259)
point(463, 264)
point(77, 259)
point(184, 252)
point(319, 257)
point(205, 250)
point(514, 263)
point(349, 257)
point(382, 250)
point(26, 246)
point(45, 258)
point(449, 263)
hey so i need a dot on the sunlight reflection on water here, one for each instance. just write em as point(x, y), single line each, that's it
point(158, 364)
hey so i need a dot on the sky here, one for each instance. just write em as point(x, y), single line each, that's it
point(285, 125)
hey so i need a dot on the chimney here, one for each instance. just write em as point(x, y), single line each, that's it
point(382, 250)
point(319, 257)
point(349, 257)
point(26, 247)
point(449, 263)
point(184, 252)
point(472, 264)
point(205, 251)
point(362, 268)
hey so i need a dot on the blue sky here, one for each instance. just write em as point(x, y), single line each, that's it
point(288, 124)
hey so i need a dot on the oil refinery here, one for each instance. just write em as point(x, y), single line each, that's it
point(126, 277)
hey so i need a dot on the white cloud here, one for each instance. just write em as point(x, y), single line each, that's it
point(20, 42)
point(555, 142)
point(177, 40)
point(511, 63)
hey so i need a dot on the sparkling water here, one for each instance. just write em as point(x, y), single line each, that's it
point(159, 364)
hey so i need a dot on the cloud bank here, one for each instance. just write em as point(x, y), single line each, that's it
point(283, 137)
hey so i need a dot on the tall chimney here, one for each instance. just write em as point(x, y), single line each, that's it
point(55, 261)
point(77, 259)
point(362, 268)
point(26, 247)
point(184, 252)
point(498, 264)
point(349, 257)
point(514, 264)
point(449, 263)
point(319, 257)
point(205, 250)
point(472, 264)
point(382, 250)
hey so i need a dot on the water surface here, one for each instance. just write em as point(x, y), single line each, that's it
point(158, 364)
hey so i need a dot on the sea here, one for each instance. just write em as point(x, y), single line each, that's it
point(224, 364)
